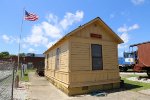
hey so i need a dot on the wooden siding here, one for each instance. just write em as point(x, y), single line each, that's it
point(80, 56)
point(110, 55)
point(75, 68)
point(81, 64)
point(59, 74)
point(97, 29)
point(87, 78)
point(81, 61)
point(62, 77)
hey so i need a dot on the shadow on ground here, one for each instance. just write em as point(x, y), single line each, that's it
point(145, 77)
point(124, 87)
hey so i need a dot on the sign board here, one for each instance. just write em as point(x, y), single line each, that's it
point(93, 35)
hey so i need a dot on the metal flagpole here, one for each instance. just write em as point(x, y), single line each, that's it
point(20, 39)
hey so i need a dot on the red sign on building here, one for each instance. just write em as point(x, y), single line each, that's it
point(93, 35)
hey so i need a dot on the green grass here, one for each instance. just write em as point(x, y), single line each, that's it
point(26, 77)
point(132, 75)
point(135, 86)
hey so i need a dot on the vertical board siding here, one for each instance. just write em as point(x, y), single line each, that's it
point(93, 76)
point(110, 59)
point(52, 61)
point(76, 61)
point(59, 74)
point(81, 61)
point(80, 56)
point(64, 57)
point(98, 29)
point(63, 63)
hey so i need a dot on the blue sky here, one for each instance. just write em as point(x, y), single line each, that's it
point(130, 19)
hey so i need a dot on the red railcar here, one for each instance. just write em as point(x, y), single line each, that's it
point(143, 57)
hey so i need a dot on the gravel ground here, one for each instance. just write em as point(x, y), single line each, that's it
point(21, 93)
point(143, 76)
point(5, 73)
point(144, 80)
point(123, 74)
point(41, 89)
point(5, 86)
point(147, 92)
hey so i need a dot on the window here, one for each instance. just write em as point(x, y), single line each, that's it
point(47, 61)
point(97, 61)
point(57, 57)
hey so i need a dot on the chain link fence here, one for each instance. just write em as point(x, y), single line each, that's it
point(7, 76)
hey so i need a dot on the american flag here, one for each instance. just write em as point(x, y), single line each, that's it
point(30, 16)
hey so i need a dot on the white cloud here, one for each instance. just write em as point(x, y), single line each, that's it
point(51, 43)
point(51, 30)
point(37, 37)
point(133, 27)
point(71, 18)
point(122, 46)
point(31, 50)
point(24, 46)
point(9, 39)
point(52, 19)
point(112, 16)
point(6, 38)
point(124, 30)
point(48, 32)
point(124, 37)
point(137, 2)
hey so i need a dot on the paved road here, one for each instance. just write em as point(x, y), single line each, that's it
point(41, 89)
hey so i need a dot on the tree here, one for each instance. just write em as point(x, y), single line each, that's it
point(1, 55)
point(4, 54)
point(12, 55)
point(30, 54)
point(22, 54)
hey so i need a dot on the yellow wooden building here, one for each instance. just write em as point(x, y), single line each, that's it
point(84, 60)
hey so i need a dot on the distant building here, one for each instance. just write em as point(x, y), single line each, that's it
point(39, 55)
point(31, 59)
point(84, 60)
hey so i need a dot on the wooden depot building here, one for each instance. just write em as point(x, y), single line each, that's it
point(84, 60)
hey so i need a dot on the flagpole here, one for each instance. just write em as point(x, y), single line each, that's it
point(20, 38)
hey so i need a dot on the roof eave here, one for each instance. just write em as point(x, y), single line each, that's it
point(119, 40)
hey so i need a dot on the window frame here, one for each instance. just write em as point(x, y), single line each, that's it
point(57, 59)
point(100, 57)
point(47, 56)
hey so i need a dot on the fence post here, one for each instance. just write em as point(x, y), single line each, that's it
point(12, 90)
